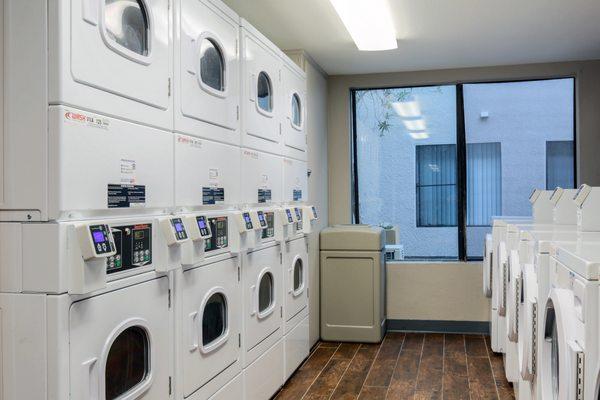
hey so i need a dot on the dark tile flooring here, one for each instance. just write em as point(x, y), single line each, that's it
point(404, 366)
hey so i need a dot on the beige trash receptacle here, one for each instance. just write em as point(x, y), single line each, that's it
point(353, 283)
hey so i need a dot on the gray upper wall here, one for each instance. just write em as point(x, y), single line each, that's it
point(587, 74)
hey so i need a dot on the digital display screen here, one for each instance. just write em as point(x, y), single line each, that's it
point(261, 217)
point(201, 224)
point(297, 213)
point(314, 210)
point(98, 237)
point(178, 227)
point(247, 217)
point(289, 216)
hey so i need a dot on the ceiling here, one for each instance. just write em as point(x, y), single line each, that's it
point(436, 34)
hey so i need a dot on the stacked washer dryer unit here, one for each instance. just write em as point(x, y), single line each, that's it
point(87, 240)
point(520, 243)
point(568, 347)
point(273, 113)
point(208, 289)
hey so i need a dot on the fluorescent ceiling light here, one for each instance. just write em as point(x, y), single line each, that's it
point(414, 124)
point(369, 22)
point(419, 135)
point(407, 109)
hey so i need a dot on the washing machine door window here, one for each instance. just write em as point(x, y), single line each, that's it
point(265, 294)
point(126, 23)
point(298, 276)
point(214, 319)
point(264, 92)
point(128, 362)
point(296, 111)
point(551, 336)
point(212, 65)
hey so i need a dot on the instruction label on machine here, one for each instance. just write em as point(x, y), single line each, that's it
point(297, 195)
point(264, 195)
point(212, 196)
point(125, 196)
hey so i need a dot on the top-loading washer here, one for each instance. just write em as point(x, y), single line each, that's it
point(208, 303)
point(261, 91)
point(569, 353)
point(111, 57)
point(84, 165)
point(100, 309)
point(207, 70)
point(293, 103)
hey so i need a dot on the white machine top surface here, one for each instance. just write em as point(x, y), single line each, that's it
point(353, 238)
point(581, 257)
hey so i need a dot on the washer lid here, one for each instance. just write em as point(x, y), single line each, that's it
point(352, 238)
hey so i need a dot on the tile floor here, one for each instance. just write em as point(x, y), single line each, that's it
point(404, 366)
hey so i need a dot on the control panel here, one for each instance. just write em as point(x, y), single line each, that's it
point(198, 227)
point(269, 230)
point(262, 219)
point(313, 210)
point(133, 247)
point(288, 217)
point(245, 222)
point(219, 238)
point(96, 241)
point(298, 218)
point(174, 230)
point(582, 194)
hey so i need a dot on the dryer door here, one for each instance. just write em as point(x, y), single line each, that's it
point(209, 67)
point(120, 343)
point(296, 278)
point(123, 47)
point(262, 297)
point(262, 95)
point(211, 297)
point(294, 113)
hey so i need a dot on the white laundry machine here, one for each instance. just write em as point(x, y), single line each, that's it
point(99, 310)
point(111, 57)
point(262, 281)
point(569, 352)
point(261, 178)
point(208, 298)
point(207, 174)
point(83, 165)
point(295, 181)
point(261, 93)
point(207, 70)
point(293, 80)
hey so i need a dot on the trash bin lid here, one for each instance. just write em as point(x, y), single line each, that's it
point(353, 238)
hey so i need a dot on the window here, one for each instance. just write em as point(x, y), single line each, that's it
point(559, 164)
point(265, 292)
point(214, 319)
point(438, 162)
point(264, 92)
point(212, 65)
point(127, 24)
point(296, 111)
point(436, 185)
point(298, 275)
point(128, 362)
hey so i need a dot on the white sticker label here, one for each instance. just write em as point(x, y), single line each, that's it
point(87, 119)
point(265, 181)
point(213, 177)
point(128, 172)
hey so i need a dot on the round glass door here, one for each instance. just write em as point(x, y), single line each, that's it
point(296, 111)
point(265, 292)
point(127, 24)
point(551, 336)
point(298, 275)
point(264, 92)
point(212, 65)
point(214, 319)
point(128, 362)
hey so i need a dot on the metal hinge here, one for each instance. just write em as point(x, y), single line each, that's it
point(505, 268)
point(517, 303)
point(169, 298)
point(534, 340)
point(280, 258)
point(239, 274)
point(237, 112)
point(580, 378)
point(281, 311)
point(306, 138)
point(491, 270)
point(170, 386)
point(307, 292)
point(239, 340)
point(280, 128)
point(236, 47)
point(169, 87)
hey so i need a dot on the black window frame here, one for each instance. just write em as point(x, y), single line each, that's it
point(461, 151)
